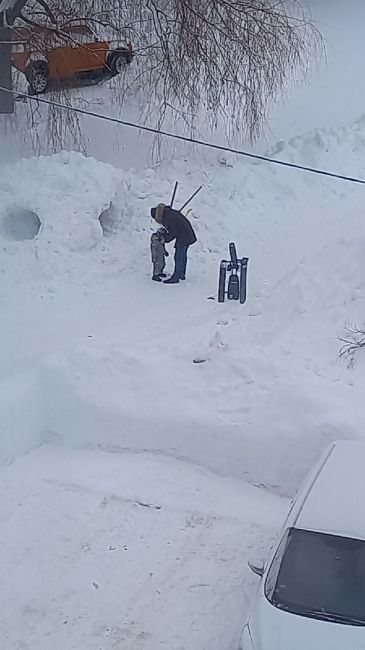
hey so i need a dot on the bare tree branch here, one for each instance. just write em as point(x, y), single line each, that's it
point(352, 341)
point(48, 11)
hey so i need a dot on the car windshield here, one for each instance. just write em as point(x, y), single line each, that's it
point(320, 576)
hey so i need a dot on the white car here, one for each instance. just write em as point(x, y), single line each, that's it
point(312, 590)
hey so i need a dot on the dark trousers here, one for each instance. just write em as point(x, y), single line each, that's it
point(181, 260)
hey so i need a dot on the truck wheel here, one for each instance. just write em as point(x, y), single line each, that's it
point(117, 62)
point(37, 75)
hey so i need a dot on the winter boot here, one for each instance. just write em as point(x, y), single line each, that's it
point(172, 280)
point(162, 275)
point(156, 278)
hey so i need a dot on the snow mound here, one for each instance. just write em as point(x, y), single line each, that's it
point(66, 193)
point(336, 150)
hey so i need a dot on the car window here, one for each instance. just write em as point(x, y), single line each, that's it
point(319, 575)
point(82, 39)
point(18, 48)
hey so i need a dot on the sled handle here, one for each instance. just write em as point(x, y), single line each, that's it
point(191, 198)
point(233, 253)
point(174, 194)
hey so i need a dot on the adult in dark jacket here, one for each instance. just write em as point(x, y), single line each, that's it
point(179, 228)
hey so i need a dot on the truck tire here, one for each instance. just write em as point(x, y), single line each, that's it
point(37, 76)
point(117, 61)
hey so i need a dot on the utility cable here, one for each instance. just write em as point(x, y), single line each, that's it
point(183, 138)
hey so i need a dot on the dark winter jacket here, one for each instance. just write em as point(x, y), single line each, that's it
point(178, 227)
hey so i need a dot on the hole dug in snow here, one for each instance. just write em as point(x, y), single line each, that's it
point(110, 220)
point(19, 224)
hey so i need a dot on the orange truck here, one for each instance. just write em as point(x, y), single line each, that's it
point(74, 53)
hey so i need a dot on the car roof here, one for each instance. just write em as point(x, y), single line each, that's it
point(334, 502)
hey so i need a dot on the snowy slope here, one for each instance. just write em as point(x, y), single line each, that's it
point(111, 353)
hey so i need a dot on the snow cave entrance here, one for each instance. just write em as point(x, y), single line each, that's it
point(109, 220)
point(20, 224)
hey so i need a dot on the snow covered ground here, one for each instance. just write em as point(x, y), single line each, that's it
point(125, 551)
point(135, 481)
point(104, 357)
point(97, 365)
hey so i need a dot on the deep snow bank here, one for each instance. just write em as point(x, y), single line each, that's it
point(114, 353)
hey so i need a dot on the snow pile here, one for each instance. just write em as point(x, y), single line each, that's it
point(113, 354)
point(58, 202)
point(337, 150)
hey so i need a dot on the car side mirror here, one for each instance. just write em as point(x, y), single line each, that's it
point(257, 567)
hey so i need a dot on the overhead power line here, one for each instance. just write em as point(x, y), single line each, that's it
point(183, 138)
